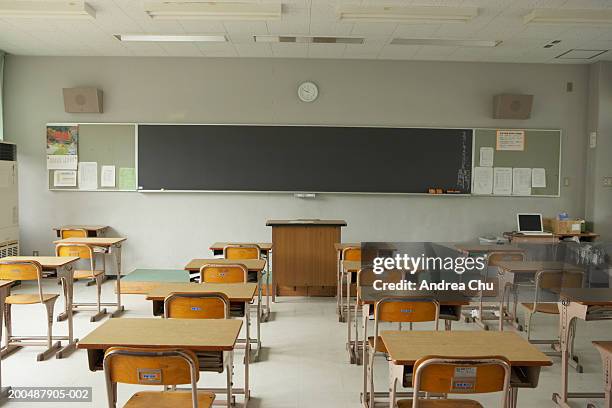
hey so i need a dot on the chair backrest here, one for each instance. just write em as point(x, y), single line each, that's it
point(495, 257)
point(554, 281)
point(23, 271)
point(366, 277)
point(452, 375)
point(224, 273)
point(73, 233)
point(79, 250)
point(405, 310)
point(351, 254)
point(242, 251)
point(205, 305)
point(144, 366)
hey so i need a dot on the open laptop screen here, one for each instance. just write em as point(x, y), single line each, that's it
point(530, 223)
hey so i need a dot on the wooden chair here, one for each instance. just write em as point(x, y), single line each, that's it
point(248, 251)
point(205, 305)
point(161, 367)
point(348, 254)
point(73, 233)
point(224, 273)
point(438, 375)
point(28, 271)
point(551, 281)
point(486, 312)
point(397, 310)
point(85, 252)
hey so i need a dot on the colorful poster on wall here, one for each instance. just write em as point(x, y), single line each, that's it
point(62, 140)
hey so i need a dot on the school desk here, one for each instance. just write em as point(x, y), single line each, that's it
point(605, 349)
point(143, 281)
point(212, 335)
point(475, 249)
point(236, 292)
point(265, 249)
point(511, 273)
point(450, 309)
point(5, 288)
point(92, 230)
point(588, 304)
point(104, 245)
point(63, 266)
point(406, 347)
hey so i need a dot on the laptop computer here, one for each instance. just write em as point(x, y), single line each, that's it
point(530, 224)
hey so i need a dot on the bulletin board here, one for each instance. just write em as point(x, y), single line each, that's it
point(541, 149)
point(106, 144)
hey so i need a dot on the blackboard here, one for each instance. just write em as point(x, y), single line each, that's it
point(303, 158)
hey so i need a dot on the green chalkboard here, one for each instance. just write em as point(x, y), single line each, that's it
point(542, 149)
point(107, 145)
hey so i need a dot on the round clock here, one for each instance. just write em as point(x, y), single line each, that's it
point(308, 92)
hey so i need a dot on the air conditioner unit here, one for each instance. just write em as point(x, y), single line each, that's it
point(9, 215)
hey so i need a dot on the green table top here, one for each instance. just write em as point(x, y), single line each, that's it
point(157, 275)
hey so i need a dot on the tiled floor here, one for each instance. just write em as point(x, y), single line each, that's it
point(303, 364)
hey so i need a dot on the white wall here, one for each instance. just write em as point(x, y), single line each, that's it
point(165, 230)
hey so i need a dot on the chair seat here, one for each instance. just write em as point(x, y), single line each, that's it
point(30, 299)
point(440, 403)
point(86, 274)
point(550, 308)
point(168, 399)
point(380, 345)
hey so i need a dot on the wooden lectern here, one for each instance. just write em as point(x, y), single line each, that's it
point(304, 259)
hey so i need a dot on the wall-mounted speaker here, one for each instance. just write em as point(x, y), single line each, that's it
point(508, 106)
point(83, 100)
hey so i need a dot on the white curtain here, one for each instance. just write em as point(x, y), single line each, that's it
point(1, 87)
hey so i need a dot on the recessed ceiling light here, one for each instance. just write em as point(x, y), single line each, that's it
point(581, 54)
point(442, 42)
point(186, 10)
point(569, 16)
point(307, 39)
point(46, 9)
point(405, 14)
point(170, 38)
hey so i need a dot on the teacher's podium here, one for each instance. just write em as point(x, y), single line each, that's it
point(304, 259)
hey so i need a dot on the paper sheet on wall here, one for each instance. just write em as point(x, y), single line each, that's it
point(510, 140)
point(486, 156)
point(521, 181)
point(107, 179)
point(127, 178)
point(502, 180)
point(483, 180)
point(538, 178)
point(65, 178)
point(88, 175)
point(62, 162)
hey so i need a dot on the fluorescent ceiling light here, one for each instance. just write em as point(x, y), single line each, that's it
point(307, 39)
point(447, 43)
point(46, 9)
point(569, 16)
point(169, 10)
point(170, 38)
point(577, 54)
point(352, 13)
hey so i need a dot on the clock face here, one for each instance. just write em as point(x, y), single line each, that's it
point(308, 92)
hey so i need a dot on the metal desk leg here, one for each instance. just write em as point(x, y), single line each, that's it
point(338, 286)
point(247, 354)
point(365, 398)
point(266, 309)
point(3, 294)
point(349, 343)
point(68, 284)
point(117, 252)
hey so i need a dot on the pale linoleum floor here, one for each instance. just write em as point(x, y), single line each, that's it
point(303, 364)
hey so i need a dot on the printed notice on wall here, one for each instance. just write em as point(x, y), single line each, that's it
point(521, 181)
point(538, 178)
point(64, 178)
point(510, 140)
point(486, 157)
point(88, 175)
point(62, 162)
point(502, 180)
point(483, 180)
point(108, 176)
